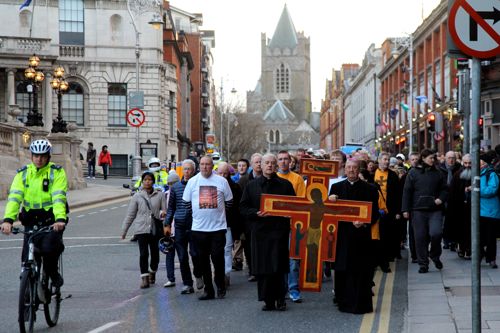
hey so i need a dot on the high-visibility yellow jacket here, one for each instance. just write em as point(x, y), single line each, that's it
point(161, 178)
point(27, 190)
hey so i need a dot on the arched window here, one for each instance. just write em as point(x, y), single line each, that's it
point(282, 79)
point(72, 104)
point(277, 136)
point(271, 136)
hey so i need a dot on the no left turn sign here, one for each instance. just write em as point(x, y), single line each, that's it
point(473, 27)
point(136, 117)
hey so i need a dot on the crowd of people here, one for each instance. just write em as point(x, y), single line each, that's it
point(421, 202)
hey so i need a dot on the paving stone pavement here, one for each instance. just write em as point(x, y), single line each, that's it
point(440, 301)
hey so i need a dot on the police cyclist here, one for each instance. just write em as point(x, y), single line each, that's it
point(40, 188)
point(161, 175)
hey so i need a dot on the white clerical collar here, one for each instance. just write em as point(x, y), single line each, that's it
point(352, 183)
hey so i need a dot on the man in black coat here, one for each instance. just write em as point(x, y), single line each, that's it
point(390, 193)
point(450, 228)
point(355, 258)
point(269, 236)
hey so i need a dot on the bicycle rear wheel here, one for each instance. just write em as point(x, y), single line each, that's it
point(52, 307)
point(27, 302)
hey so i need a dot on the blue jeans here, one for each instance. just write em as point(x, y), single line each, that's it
point(91, 169)
point(169, 265)
point(182, 239)
point(293, 276)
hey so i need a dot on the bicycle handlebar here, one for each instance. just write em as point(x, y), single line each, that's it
point(32, 232)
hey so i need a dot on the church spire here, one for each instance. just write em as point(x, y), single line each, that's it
point(285, 35)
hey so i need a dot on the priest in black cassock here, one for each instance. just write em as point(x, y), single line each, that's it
point(354, 263)
point(269, 236)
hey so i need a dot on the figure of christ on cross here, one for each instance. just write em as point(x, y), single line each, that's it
point(318, 221)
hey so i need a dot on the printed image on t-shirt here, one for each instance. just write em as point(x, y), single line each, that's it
point(208, 197)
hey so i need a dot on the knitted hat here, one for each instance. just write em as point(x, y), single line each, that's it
point(173, 177)
point(393, 161)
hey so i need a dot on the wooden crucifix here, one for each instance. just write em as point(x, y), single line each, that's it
point(314, 220)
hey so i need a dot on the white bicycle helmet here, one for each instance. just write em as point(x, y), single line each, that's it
point(40, 147)
point(154, 160)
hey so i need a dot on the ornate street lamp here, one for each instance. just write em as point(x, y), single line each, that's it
point(34, 78)
point(60, 86)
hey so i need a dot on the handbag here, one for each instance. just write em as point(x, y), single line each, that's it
point(156, 224)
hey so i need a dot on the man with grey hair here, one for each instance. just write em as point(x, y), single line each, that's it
point(255, 163)
point(355, 260)
point(209, 196)
point(389, 202)
point(459, 206)
point(269, 234)
point(234, 224)
point(448, 168)
point(178, 210)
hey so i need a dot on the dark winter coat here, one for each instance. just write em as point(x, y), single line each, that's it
point(423, 185)
point(269, 241)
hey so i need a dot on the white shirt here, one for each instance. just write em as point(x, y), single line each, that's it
point(207, 197)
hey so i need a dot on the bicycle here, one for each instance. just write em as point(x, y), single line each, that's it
point(35, 288)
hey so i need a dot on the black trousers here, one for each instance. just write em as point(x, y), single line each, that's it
point(488, 230)
point(147, 243)
point(49, 245)
point(272, 287)
point(210, 245)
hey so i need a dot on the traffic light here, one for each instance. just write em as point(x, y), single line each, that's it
point(431, 120)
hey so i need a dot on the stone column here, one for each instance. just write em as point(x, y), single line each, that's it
point(47, 115)
point(12, 110)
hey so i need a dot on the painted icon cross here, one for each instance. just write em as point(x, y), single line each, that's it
point(314, 220)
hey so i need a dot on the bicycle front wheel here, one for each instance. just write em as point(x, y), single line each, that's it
point(52, 306)
point(27, 302)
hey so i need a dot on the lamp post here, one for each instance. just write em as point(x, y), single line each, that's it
point(135, 9)
point(233, 91)
point(60, 86)
point(34, 77)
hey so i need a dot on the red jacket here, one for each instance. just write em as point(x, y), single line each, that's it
point(105, 158)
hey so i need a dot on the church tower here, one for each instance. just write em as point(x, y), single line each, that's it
point(285, 71)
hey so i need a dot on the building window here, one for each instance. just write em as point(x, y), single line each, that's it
point(23, 100)
point(277, 136)
point(71, 22)
point(72, 104)
point(117, 104)
point(271, 136)
point(282, 79)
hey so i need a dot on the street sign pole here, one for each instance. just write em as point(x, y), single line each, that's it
point(475, 242)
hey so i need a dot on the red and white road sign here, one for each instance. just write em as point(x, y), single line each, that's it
point(136, 117)
point(473, 27)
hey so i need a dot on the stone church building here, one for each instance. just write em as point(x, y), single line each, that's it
point(282, 96)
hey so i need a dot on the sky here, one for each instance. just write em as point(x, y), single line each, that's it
point(340, 31)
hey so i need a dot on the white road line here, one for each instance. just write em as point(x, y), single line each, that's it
point(68, 246)
point(105, 327)
point(104, 210)
point(65, 238)
point(124, 205)
point(93, 213)
point(121, 304)
point(80, 215)
point(114, 208)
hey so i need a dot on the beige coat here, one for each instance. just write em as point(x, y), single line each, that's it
point(138, 213)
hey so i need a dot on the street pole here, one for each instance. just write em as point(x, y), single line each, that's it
point(466, 109)
point(136, 160)
point(221, 116)
point(476, 255)
point(410, 101)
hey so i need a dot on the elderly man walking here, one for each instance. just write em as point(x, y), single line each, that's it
point(209, 196)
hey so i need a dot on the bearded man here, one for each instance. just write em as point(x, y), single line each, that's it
point(459, 206)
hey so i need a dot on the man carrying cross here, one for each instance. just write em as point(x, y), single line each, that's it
point(269, 236)
point(354, 258)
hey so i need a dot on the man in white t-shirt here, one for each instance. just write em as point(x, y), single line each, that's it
point(209, 195)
